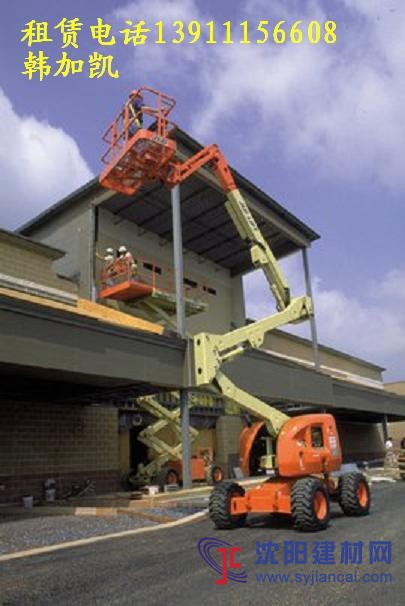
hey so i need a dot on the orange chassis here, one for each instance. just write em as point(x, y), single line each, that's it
point(307, 452)
point(274, 496)
point(308, 446)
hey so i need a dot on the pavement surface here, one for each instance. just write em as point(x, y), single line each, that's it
point(21, 534)
point(164, 567)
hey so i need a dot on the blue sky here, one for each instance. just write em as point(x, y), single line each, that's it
point(321, 128)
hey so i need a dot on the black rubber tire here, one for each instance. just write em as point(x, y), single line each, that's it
point(210, 475)
point(349, 500)
point(219, 506)
point(303, 496)
point(161, 478)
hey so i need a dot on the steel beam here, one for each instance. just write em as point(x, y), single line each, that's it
point(257, 206)
point(181, 330)
point(51, 342)
point(385, 428)
point(46, 338)
point(312, 321)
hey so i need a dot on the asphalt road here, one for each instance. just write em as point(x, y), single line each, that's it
point(165, 568)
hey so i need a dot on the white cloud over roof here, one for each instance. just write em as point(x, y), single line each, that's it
point(370, 326)
point(340, 107)
point(39, 163)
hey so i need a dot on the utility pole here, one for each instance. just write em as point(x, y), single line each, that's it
point(181, 330)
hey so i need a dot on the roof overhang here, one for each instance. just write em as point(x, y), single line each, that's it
point(207, 228)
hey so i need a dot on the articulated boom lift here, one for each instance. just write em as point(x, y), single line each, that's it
point(307, 447)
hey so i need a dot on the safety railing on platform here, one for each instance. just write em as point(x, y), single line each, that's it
point(157, 276)
point(125, 125)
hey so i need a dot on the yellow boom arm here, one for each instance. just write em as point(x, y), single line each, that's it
point(211, 351)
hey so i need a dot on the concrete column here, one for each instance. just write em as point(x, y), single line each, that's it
point(94, 215)
point(87, 260)
point(228, 430)
point(238, 302)
point(385, 428)
point(314, 333)
point(181, 330)
point(178, 262)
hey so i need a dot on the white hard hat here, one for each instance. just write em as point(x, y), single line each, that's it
point(109, 251)
point(122, 249)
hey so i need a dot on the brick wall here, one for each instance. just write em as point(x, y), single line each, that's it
point(67, 443)
point(30, 265)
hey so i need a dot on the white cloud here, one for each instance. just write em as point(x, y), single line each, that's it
point(391, 286)
point(338, 107)
point(373, 329)
point(166, 58)
point(39, 164)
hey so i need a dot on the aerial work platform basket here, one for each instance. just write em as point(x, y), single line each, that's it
point(135, 154)
point(127, 290)
point(149, 284)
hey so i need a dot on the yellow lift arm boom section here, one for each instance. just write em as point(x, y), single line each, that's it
point(211, 350)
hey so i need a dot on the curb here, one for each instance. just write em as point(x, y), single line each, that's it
point(96, 511)
point(97, 539)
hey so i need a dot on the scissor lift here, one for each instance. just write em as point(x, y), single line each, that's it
point(151, 293)
point(165, 468)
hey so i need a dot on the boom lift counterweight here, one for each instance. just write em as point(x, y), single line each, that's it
point(305, 445)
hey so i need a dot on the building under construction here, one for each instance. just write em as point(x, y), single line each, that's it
point(79, 355)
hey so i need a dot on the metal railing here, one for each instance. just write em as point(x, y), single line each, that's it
point(145, 271)
point(124, 125)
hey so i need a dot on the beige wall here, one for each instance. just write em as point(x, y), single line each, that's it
point(224, 307)
point(228, 430)
point(70, 232)
point(396, 428)
point(350, 368)
point(67, 443)
point(397, 387)
point(29, 264)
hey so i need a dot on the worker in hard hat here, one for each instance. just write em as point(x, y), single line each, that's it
point(108, 271)
point(135, 106)
point(127, 262)
point(109, 254)
point(390, 459)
